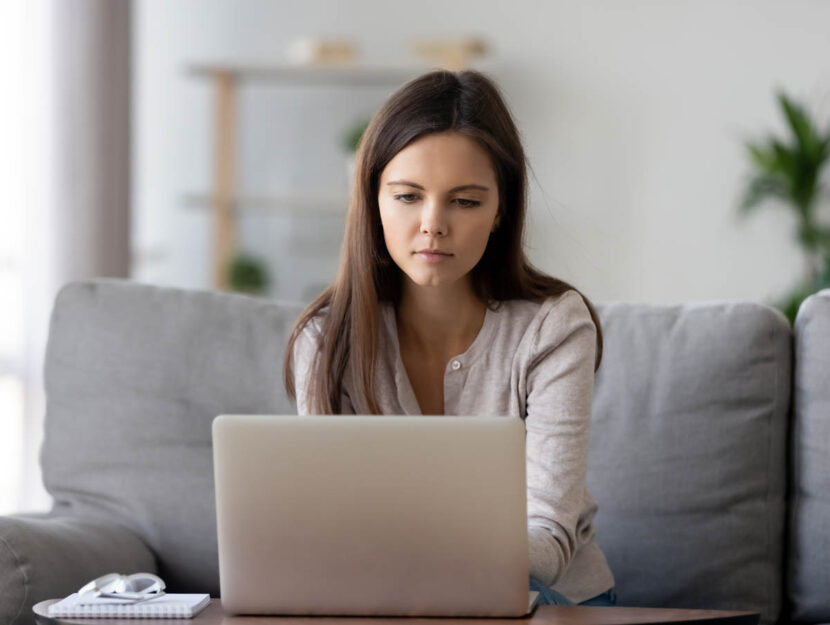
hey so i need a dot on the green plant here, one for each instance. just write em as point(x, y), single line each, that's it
point(789, 171)
point(353, 133)
point(247, 274)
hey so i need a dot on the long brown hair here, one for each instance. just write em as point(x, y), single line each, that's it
point(467, 102)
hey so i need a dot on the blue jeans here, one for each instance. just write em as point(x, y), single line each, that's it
point(548, 596)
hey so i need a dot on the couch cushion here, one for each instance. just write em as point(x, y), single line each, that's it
point(135, 375)
point(808, 566)
point(687, 455)
point(47, 556)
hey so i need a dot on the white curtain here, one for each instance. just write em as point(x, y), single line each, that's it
point(64, 177)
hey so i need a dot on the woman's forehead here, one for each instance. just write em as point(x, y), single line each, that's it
point(442, 161)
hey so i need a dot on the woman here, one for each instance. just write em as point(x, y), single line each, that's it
point(436, 310)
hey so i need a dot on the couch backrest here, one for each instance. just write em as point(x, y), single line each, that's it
point(687, 458)
point(688, 453)
point(808, 562)
point(134, 376)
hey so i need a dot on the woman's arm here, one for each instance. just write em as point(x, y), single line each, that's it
point(560, 383)
point(305, 348)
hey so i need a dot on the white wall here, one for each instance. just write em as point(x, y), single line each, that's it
point(632, 113)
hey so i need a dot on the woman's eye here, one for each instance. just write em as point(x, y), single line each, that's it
point(403, 197)
point(408, 198)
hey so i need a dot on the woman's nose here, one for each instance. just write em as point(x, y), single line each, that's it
point(433, 219)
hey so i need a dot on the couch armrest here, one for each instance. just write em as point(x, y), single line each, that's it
point(45, 557)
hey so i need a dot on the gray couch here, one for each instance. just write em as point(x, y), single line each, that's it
point(710, 446)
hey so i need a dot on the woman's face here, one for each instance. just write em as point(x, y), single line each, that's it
point(438, 205)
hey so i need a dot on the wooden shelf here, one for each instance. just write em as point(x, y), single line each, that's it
point(308, 203)
point(227, 78)
point(361, 75)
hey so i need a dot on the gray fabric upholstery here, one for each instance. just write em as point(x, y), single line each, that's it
point(135, 375)
point(43, 557)
point(808, 567)
point(687, 456)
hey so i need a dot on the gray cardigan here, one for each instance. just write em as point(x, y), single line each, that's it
point(535, 361)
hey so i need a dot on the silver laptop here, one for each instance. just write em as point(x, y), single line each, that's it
point(372, 515)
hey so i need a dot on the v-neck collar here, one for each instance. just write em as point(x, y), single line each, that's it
point(405, 392)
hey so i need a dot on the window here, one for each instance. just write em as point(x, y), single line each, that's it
point(24, 179)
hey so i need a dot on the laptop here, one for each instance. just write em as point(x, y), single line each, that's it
point(372, 515)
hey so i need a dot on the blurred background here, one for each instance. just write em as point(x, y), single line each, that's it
point(676, 150)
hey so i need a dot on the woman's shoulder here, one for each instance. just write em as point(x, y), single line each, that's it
point(314, 325)
point(530, 325)
point(563, 308)
point(308, 338)
point(569, 305)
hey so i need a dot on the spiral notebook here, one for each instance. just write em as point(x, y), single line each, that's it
point(166, 606)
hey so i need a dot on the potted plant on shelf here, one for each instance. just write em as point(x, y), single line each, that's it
point(789, 172)
point(247, 274)
point(350, 140)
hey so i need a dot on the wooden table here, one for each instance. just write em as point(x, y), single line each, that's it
point(542, 615)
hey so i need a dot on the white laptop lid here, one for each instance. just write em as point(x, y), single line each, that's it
point(372, 515)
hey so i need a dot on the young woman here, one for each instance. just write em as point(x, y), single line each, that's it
point(436, 310)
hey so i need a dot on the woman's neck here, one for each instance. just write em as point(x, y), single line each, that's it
point(439, 321)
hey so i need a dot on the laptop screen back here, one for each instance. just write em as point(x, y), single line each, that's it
point(371, 515)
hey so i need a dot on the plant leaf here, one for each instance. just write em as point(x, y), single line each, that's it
point(802, 128)
point(763, 157)
point(761, 188)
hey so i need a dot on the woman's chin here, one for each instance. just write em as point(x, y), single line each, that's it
point(434, 280)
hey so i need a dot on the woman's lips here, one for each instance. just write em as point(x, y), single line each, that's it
point(433, 256)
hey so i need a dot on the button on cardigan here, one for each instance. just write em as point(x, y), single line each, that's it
point(534, 361)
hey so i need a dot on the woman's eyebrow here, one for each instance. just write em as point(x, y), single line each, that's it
point(454, 189)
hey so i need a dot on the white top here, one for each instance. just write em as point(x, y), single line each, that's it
point(535, 361)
